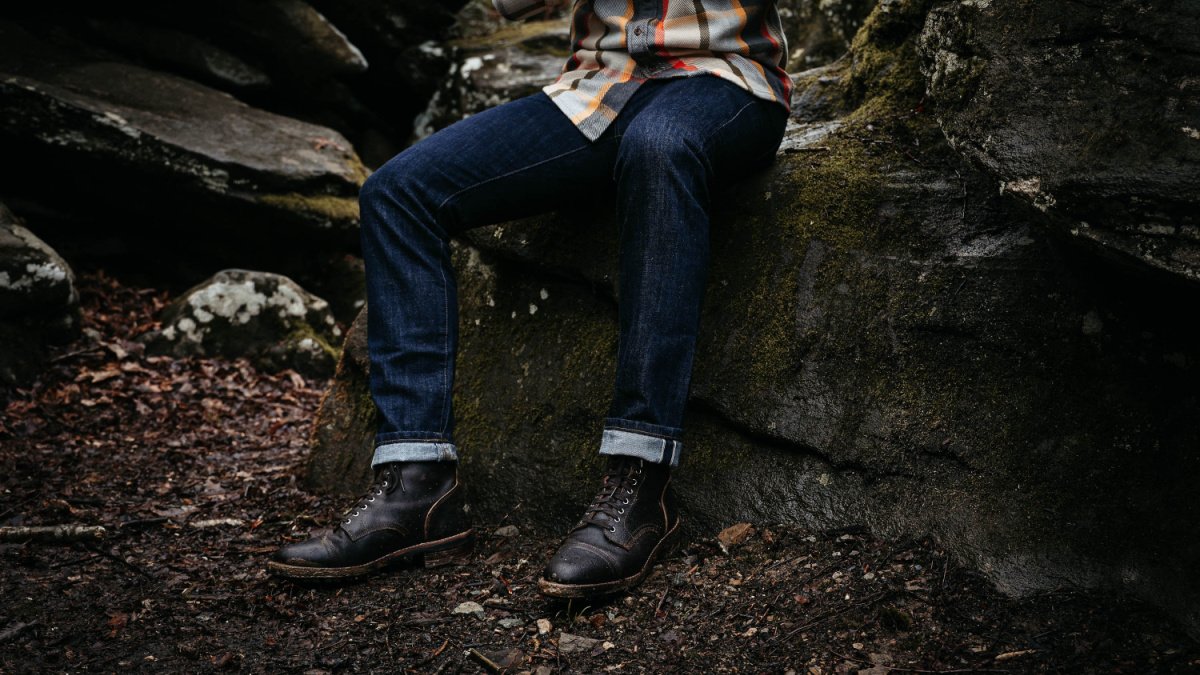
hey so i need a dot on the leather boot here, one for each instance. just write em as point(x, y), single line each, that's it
point(413, 509)
point(631, 522)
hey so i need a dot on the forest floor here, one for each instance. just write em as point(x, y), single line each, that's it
point(192, 465)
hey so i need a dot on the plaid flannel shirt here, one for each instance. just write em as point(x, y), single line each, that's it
point(616, 45)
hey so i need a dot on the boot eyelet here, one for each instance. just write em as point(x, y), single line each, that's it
point(347, 521)
point(371, 499)
point(612, 529)
point(616, 520)
point(633, 481)
point(621, 511)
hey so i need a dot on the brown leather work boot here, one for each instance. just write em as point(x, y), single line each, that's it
point(632, 522)
point(413, 509)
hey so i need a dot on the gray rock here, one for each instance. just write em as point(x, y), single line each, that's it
point(175, 49)
point(569, 643)
point(470, 607)
point(146, 142)
point(819, 31)
point(492, 65)
point(39, 305)
point(1088, 112)
point(291, 35)
point(264, 317)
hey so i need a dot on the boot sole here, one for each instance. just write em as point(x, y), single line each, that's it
point(556, 590)
point(454, 550)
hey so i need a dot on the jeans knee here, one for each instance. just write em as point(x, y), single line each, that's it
point(657, 150)
point(392, 198)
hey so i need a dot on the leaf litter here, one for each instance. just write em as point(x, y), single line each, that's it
point(192, 466)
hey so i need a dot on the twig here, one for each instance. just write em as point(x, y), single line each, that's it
point(141, 522)
point(71, 355)
point(54, 534)
point(829, 615)
point(121, 560)
point(661, 600)
point(903, 669)
point(487, 663)
point(76, 561)
point(15, 630)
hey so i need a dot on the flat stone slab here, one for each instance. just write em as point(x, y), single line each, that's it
point(124, 124)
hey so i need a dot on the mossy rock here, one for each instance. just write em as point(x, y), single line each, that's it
point(39, 305)
point(265, 317)
point(1086, 113)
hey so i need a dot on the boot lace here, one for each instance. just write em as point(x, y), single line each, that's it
point(616, 492)
point(384, 481)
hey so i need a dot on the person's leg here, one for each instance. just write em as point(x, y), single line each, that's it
point(517, 159)
point(680, 140)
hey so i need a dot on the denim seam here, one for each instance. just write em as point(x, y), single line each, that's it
point(642, 433)
point(708, 138)
point(398, 441)
point(512, 173)
point(447, 394)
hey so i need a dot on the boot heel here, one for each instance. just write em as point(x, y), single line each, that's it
point(459, 554)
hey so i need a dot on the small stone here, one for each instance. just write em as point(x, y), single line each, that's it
point(508, 531)
point(470, 607)
point(544, 626)
point(569, 643)
point(734, 535)
point(511, 622)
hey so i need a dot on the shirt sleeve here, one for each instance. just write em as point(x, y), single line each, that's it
point(519, 9)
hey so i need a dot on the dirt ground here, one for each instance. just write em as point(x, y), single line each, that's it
point(192, 467)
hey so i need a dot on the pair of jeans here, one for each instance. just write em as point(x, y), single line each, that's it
point(674, 142)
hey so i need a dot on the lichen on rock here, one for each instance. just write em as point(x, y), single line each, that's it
point(39, 305)
point(265, 317)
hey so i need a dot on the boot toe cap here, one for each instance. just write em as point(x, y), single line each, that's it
point(580, 563)
point(312, 552)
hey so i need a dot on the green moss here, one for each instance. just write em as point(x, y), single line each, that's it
point(306, 331)
point(336, 209)
point(510, 34)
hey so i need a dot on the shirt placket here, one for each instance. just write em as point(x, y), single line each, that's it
point(639, 36)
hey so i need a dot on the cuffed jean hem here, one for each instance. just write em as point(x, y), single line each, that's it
point(414, 451)
point(654, 449)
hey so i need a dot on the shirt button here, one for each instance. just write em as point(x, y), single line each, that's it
point(637, 31)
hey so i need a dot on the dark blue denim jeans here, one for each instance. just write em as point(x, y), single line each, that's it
point(671, 146)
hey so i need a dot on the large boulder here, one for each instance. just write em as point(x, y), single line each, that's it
point(492, 63)
point(819, 31)
point(291, 35)
point(887, 341)
point(265, 317)
point(173, 49)
point(1089, 112)
point(38, 302)
point(178, 155)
